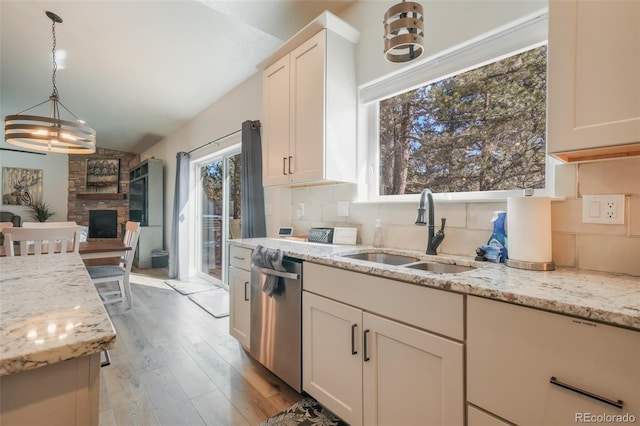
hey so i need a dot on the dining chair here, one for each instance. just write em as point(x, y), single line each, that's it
point(2, 226)
point(84, 231)
point(43, 240)
point(118, 273)
point(41, 225)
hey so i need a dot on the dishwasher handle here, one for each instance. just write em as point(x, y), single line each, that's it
point(288, 275)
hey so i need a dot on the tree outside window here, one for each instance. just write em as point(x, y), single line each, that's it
point(481, 130)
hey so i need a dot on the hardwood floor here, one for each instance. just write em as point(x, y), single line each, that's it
point(174, 364)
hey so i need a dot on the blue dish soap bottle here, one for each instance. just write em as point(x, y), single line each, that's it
point(498, 239)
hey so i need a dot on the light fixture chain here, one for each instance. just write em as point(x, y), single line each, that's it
point(55, 65)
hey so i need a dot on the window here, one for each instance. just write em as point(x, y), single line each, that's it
point(468, 123)
point(480, 130)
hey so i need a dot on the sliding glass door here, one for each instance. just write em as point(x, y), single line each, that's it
point(219, 210)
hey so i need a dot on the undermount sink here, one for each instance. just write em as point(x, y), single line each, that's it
point(410, 262)
point(441, 268)
point(386, 258)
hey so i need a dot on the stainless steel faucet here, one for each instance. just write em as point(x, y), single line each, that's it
point(433, 239)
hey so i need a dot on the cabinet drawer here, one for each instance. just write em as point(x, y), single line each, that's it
point(514, 351)
point(240, 257)
point(435, 310)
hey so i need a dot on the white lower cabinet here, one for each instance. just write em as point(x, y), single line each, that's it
point(331, 366)
point(239, 294)
point(410, 377)
point(477, 417)
point(532, 367)
point(373, 370)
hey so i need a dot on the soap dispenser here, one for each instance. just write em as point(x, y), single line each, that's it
point(377, 236)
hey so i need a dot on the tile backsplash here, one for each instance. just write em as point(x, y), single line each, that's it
point(610, 248)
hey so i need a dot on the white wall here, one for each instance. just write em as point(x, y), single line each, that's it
point(55, 173)
point(447, 23)
point(221, 118)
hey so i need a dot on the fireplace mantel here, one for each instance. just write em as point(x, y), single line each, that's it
point(101, 196)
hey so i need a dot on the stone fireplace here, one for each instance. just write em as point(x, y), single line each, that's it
point(81, 203)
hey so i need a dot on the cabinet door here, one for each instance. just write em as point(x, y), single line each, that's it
point(411, 377)
point(594, 64)
point(239, 305)
point(513, 352)
point(331, 358)
point(275, 165)
point(308, 110)
point(476, 417)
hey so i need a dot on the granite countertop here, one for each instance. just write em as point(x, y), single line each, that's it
point(597, 296)
point(50, 312)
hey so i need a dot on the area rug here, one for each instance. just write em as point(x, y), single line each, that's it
point(305, 413)
point(190, 286)
point(215, 302)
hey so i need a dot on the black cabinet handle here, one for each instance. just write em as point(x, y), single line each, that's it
point(364, 345)
point(290, 158)
point(284, 165)
point(353, 339)
point(618, 403)
point(238, 257)
point(246, 296)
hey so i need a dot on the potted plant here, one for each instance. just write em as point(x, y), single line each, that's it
point(41, 212)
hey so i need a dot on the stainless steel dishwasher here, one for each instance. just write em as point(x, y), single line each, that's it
point(276, 331)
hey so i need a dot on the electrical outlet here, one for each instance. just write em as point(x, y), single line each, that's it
point(607, 209)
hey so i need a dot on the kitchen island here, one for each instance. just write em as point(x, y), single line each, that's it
point(54, 328)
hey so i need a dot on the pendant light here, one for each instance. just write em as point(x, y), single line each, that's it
point(50, 133)
point(403, 32)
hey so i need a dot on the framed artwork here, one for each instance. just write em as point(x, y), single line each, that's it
point(21, 187)
point(103, 176)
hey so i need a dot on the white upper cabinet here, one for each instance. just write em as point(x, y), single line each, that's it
point(309, 109)
point(593, 79)
point(275, 143)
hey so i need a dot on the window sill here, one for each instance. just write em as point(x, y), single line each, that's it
point(448, 198)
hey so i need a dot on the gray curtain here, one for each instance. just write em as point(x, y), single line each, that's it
point(252, 198)
point(180, 199)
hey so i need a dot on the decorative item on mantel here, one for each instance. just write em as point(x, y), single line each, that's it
point(102, 180)
point(52, 133)
point(102, 175)
point(403, 32)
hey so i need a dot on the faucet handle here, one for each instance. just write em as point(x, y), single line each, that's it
point(437, 240)
point(444, 220)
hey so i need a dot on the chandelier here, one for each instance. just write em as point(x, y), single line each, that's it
point(403, 32)
point(50, 133)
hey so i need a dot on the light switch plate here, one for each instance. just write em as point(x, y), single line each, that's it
point(608, 209)
point(343, 209)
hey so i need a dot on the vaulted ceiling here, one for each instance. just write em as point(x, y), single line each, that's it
point(137, 70)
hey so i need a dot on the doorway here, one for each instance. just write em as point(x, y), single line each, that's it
point(219, 210)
